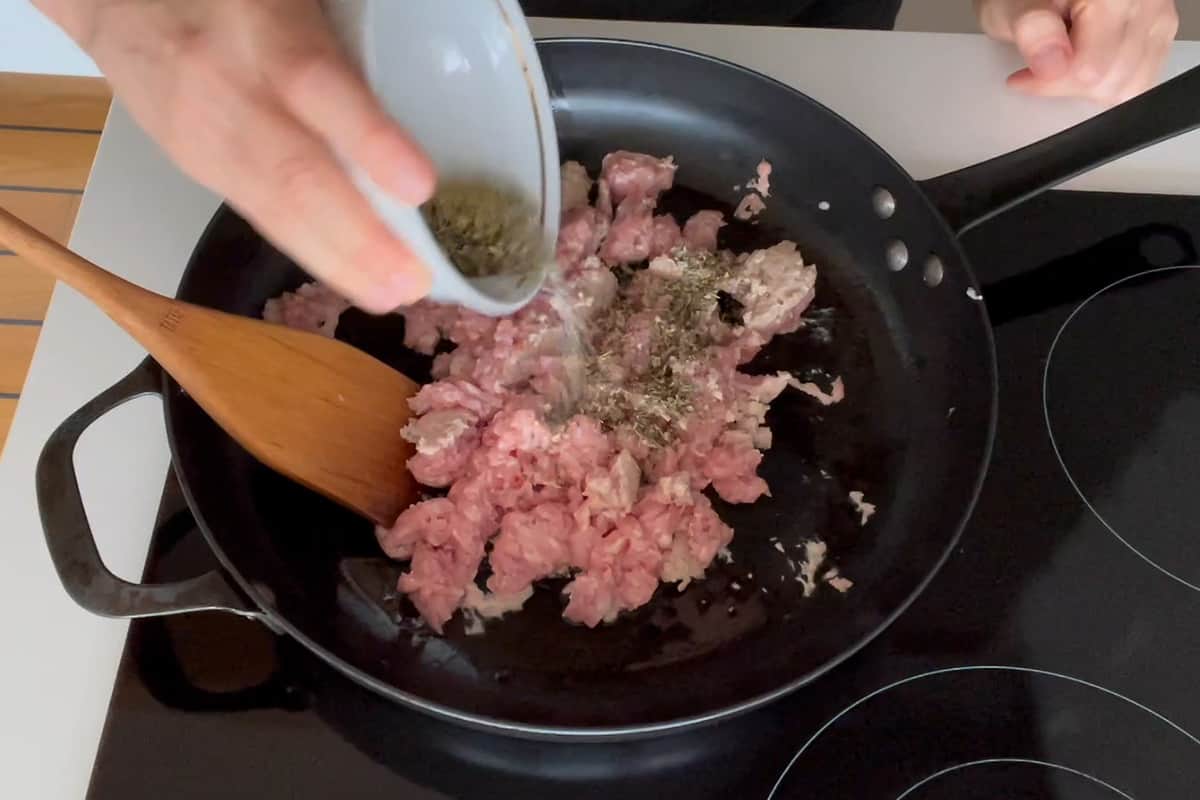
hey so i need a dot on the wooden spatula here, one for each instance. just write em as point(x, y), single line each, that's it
point(317, 410)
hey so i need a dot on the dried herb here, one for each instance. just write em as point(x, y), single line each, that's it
point(654, 402)
point(485, 229)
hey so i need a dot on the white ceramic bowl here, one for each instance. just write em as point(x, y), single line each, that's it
point(463, 77)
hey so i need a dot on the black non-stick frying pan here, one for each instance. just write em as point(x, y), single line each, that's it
point(897, 316)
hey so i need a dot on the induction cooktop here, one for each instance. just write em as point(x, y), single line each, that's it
point(1054, 656)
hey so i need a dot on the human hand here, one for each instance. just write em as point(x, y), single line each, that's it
point(1102, 50)
point(255, 99)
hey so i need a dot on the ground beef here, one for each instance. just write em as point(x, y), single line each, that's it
point(761, 182)
point(631, 236)
point(579, 236)
point(700, 231)
point(636, 175)
point(750, 207)
point(559, 494)
point(665, 236)
point(576, 186)
point(313, 307)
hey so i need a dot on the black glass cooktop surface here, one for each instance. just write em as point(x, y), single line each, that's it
point(1054, 656)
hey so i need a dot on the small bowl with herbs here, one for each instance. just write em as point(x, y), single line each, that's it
point(474, 96)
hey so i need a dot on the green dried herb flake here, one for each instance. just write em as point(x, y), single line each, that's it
point(485, 230)
point(655, 402)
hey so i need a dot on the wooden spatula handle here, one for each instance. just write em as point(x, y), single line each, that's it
point(99, 285)
point(133, 308)
point(317, 410)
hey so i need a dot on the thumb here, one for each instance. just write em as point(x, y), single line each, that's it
point(1039, 32)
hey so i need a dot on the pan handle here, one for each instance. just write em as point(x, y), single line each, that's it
point(69, 536)
point(971, 195)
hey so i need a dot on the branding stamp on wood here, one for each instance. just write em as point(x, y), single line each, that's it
point(170, 321)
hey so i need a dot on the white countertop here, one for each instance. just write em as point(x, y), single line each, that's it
point(140, 217)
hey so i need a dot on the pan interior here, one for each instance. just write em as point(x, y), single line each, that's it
point(913, 433)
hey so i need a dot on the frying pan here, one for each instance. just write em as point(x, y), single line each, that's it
point(896, 316)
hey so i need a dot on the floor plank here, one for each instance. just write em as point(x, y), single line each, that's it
point(46, 160)
point(51, 213)
point(16, 351)
point(53, 101)
point(24, 290)
point(7, 409)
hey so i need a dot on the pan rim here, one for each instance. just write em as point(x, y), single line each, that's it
point(612, 733)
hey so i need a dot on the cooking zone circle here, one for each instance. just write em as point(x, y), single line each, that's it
point(994, 731)
point(1020, 777)
point(1121, 386)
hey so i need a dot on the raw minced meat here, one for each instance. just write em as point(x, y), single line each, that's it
point(312, 307)
point(700, 231)
point(608, 492)
point(865, 510)
point(761, 182)
point(750, 207)
point(576, 186)
point(753, 203)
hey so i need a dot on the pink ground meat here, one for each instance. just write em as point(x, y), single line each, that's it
point(750, 207)
point(599, 505)
point(631, 236)
point(700, 231)
point(313, 307)
point(636, 175)
point(576, 186)
point(665, 236)
point(580, 234)
point(761, 182)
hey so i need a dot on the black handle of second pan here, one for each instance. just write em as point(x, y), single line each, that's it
point(971, 195)
point(69, 537)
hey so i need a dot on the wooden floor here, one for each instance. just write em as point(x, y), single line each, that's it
point(49, 129)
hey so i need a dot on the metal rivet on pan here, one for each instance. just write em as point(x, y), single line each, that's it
point(883, 202)
point(934, 271)
point(824, 205)
point(897, 255)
